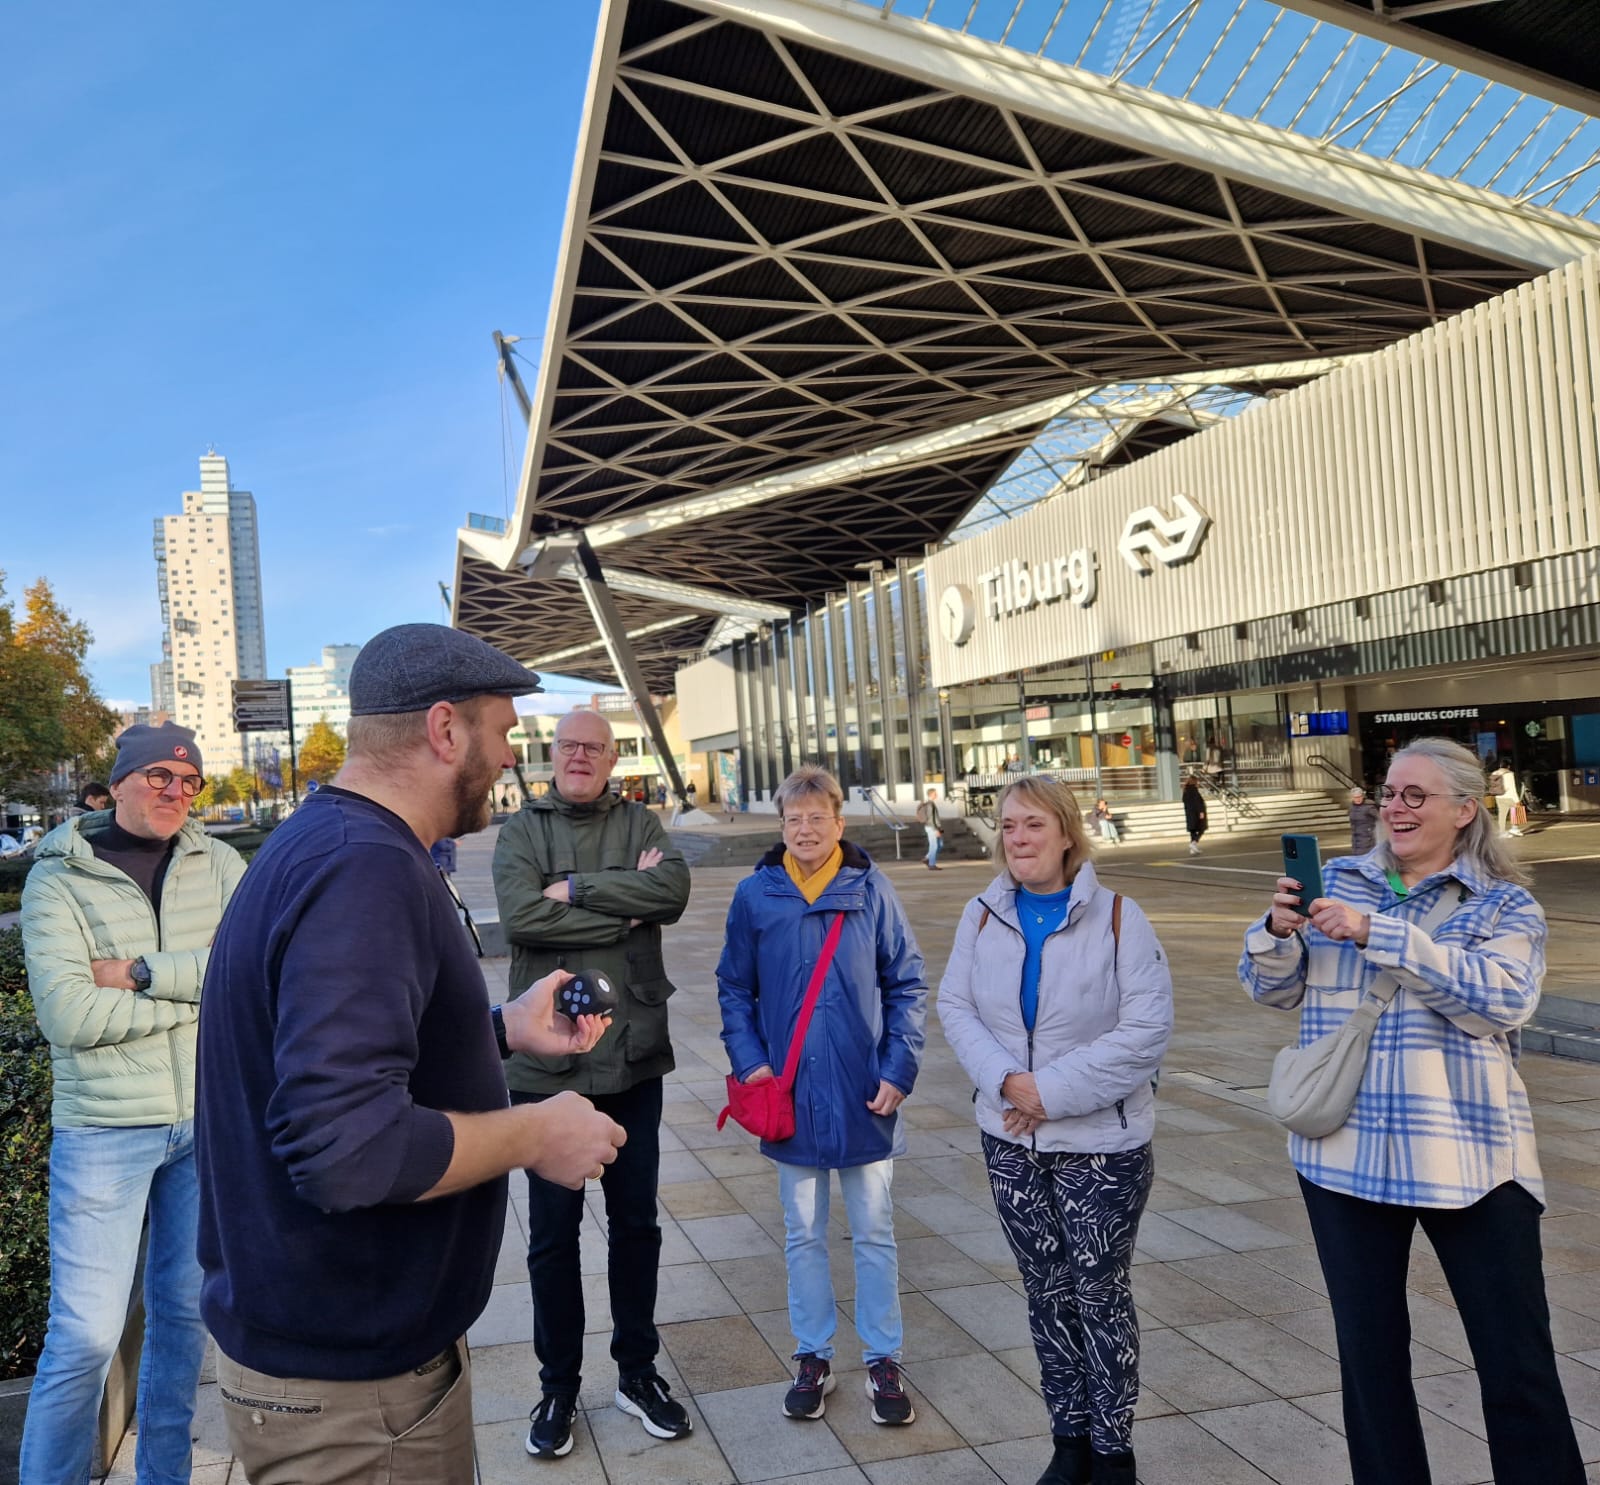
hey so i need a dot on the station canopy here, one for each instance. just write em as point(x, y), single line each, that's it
point(830, 269)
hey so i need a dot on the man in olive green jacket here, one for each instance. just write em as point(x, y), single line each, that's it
point(118, 915)
point(585, 880)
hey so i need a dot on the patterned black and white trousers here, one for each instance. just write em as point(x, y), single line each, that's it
point(1071, 1221)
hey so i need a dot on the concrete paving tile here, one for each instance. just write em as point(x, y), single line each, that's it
point(849, 1475)
point(1272, 1356)
point(1232, 1229)
point(1573, 1332)
point(633, 1457)
point(1151, 1404)
point(505, 1382)
point(721, 1355)
point(1174, 1120)
point(759, 1443)
point(1018, 1461)
point(774, 1328)
point(950, 1213)
point(759, 1283)
point(1581, 1384)
point(1215, 1185)
point(1161, 1240)
point(734, 1160)
point(209, 1429)
point(1023, 1361)
point(1252, 1285)
point(963, 1174)
point(1177, 1451)
point(1173, 1298)
point(994, 1314)
point(675, 1247)
point(1288, 1445)
point(1437, 1325)
point(681, 1165)
point(990, 1249)
point(984, 1401)
point(1286, 1213)
point(716, 1238)
point(850, 1417)
point(1315, 1328)
point(1190, 1377)
point(1164, 1194)
point(955, 1467)
point(507, 1317)
point(932, 1263)
point(706, 1198)
point(692, 1291)
point(910, 1179)
point(1300, 1264)
point(503, 1458)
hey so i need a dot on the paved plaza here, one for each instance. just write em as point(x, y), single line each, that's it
point(1239, 1371)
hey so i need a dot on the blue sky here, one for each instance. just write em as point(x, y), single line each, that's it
point(287, 232)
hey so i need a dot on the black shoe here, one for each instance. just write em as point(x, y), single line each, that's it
point(886, 1388)
point(1113, 1469)
point(650, 1400)
point(550, 1425)
point(813, 1382)
point(1070, 1464)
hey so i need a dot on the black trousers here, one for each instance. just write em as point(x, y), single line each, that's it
point(634, 1248)
point(1492, 1260)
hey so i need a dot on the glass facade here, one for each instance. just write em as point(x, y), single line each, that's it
point(848, 684)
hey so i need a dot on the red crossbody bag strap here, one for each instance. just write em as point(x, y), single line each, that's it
point(791, 1064)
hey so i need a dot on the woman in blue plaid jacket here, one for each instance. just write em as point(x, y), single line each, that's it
point(1441, 1134)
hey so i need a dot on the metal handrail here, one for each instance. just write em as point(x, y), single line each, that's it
point(879, 808)
point(1328, 766)
point(1232, 799)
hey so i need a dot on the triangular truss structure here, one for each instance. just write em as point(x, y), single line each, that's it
point(805, 231)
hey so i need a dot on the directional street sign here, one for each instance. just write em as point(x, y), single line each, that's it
point(260, 706)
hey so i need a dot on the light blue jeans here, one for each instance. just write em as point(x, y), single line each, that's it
point(102, 1180)
point(870, 1208)
point(935, 840)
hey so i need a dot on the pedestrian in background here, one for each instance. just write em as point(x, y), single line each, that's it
point(1503, 788)
point(1104, 825)
point(862, 1051)
point(1440, 1135)
point(1363, 822)
point(928, 817)
point(118, 915)
point(1058, 1003)
point(1194, 813)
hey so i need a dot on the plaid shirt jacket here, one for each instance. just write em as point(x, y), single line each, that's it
point(1442, 1117)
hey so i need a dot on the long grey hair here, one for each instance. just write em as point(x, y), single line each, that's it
point(1478, 842)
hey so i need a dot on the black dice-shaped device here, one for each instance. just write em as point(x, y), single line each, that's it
point(588, 994)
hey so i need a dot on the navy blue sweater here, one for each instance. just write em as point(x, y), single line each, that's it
point(343, 1010)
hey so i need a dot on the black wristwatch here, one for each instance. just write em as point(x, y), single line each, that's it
point(498, 1018)
point(139, 973)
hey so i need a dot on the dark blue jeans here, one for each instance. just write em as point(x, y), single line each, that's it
point(1491, 1258)
point(634, 1248)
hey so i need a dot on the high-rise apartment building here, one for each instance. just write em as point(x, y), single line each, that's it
point(208, 575)
point(321, 693)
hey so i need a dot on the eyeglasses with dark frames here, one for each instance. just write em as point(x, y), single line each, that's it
point(160, 778)
point(1412, 796)
point(568, 748)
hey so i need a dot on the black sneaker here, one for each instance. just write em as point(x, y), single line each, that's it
point(886, 1388)
point(550, 1425)
point(813, 1382)
point(650, 1400)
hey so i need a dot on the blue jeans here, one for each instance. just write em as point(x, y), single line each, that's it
point(935, 840)
point(870, 1207)
point(102, 1180)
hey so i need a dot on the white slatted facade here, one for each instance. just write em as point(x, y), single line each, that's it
point(1450, 457)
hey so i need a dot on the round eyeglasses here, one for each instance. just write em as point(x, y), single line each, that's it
point(160, 778)
point(1411, 796)
point(569, 747)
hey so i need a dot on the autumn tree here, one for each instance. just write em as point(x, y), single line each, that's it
point(243, 782)
point(321, 754)
point(49, 713)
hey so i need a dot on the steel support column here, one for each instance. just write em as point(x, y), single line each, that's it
point(619, 649)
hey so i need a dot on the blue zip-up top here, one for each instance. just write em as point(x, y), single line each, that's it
point(1040, 914)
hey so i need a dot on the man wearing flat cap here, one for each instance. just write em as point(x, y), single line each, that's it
point(585, 880)
point(117, 916)
point(354, 1130)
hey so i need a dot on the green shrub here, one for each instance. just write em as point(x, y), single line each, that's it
point(13, 872)
point(10, 902)
point(24, 1168)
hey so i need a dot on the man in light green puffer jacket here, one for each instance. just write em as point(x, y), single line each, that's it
point(118, 915)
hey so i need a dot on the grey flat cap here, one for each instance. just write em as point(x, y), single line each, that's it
point(412, 666)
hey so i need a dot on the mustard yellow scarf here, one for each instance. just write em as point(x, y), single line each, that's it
point(812, 887)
